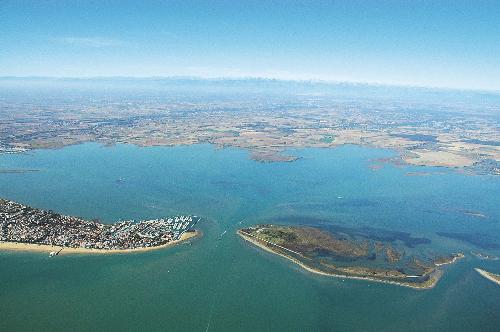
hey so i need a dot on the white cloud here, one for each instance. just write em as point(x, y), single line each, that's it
point(94, 42)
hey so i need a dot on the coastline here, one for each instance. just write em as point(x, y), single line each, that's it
point(316, 271)
point(448, 158)
point(487, 275)
point(455, 258)
point(45, 248)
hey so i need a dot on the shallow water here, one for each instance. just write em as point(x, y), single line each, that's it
point(222, 283)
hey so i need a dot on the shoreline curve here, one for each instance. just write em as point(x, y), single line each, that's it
point(45, 248)
point(436, 277)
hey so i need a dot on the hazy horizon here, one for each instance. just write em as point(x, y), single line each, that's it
point(249, 79)
point(449, 44)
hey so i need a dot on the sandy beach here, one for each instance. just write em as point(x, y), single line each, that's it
point(437, 276)
point(43, 248)
point(488, 275)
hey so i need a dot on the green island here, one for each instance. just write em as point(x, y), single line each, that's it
point(341, 255)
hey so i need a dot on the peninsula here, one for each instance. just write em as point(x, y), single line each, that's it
point(27, 228)
point(340, 255)
point(488, 275)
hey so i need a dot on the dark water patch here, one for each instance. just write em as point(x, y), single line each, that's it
point(382, 235)
point(370, 233)
point(327, 139)
point(480, 240)
point(287, 130)
point(392, 236)
point(478, 141)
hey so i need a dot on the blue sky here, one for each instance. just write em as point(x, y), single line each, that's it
point(428, 43)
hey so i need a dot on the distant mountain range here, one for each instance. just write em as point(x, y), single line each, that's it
point(258, 85)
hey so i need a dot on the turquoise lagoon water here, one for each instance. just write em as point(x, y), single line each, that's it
point(223, 284)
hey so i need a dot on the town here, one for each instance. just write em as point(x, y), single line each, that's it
point(23, 224)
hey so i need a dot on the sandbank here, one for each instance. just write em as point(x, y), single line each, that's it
point(488, 275)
